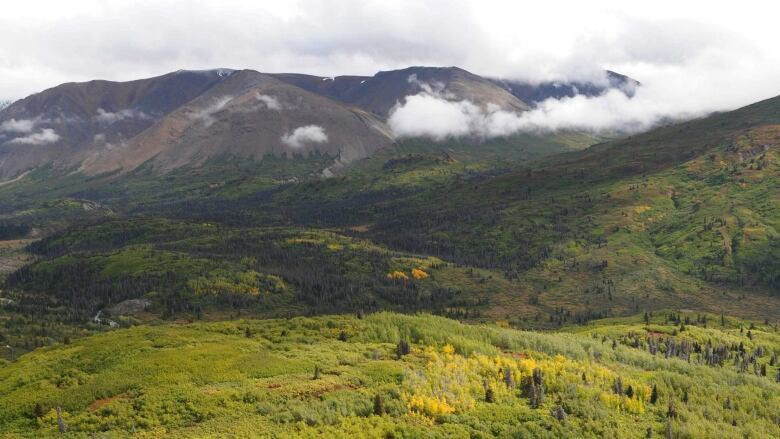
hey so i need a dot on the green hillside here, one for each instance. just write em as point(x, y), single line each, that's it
point(336, 376)
point(680, 217)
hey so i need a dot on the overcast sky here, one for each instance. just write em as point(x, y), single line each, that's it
point(691, 59)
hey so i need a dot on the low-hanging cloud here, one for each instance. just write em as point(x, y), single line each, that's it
point(17, 126)
point(271, 102)
point(42, 137)
point(110, 117)
point(206, 115)
point(305, 134)
point(434, 113)
point(430, 114)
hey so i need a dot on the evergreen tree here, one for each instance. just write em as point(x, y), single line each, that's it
point(379, 406)
point(39, 411)
point(654, 395)
point(489, 395)
point(559, 413)
point(671, 412)
point(509, 378)
point(618, 387)
point(536, 389)
point(402, 348)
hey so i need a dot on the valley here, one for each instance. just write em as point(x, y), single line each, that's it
point(186, 282)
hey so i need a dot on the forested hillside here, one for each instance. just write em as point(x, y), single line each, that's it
point(390, 375)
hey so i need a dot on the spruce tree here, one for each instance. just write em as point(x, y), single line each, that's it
point(536, 389)
point(654, 395)
point(39, 411)
point(402, 348)
point(379, 406)
point(618, 388)
point(671, 412)
point(490, 396)
point(509, 379)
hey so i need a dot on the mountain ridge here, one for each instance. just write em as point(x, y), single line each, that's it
point(86, 127)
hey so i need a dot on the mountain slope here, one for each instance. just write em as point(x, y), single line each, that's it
point(188, 118)
point(249, 115)
point(535, 93)
point(381, 92)
point(61, 126)
point(680, 216)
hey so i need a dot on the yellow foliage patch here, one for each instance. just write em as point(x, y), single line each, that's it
point(419, 274)
point(429, 405)
point(397, 275)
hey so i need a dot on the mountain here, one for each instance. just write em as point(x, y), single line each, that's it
point(381, 92)
point(533, 93)
point(190, 118)
point(179, 118)
point(249, 115)
point(62, 126)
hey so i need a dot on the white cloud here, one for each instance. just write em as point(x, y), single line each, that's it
point(46, 135)
point(305, 134)
point(430, 115)
point(425, 115)
point(108, 117)
point(17, 126)
point(434, 88)
point(206, 114)
point(271, 102)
